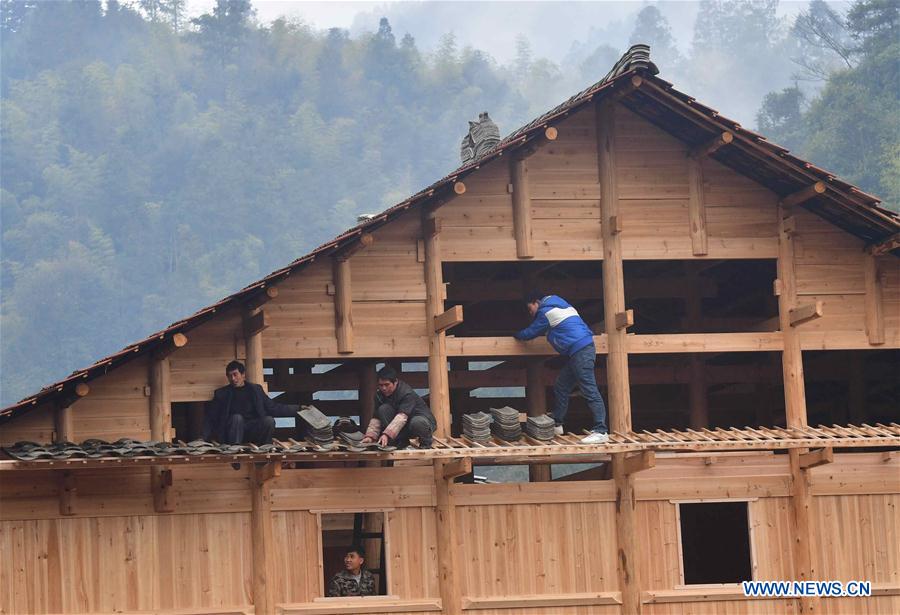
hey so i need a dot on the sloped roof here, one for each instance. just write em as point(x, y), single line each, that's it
point(657, 101)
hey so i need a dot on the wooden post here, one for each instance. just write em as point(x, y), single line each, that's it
point(699, 404)
point(697, 208)
point(800, 503)
point(343, 305)
point(536, 398)
point(792, 356)
point(438, 382)
point(613, 285)
point(160, 401)
point(521, 202)
point(627, 552)
point(253, 343)
point(368, 381)
point(68, 493)
point(63, 424)
point(262, 535)
point(874, 303)
point(446, 539)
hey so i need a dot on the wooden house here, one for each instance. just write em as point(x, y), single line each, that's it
point(746, 305)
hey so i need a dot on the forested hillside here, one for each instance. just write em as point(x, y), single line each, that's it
point(152, 164)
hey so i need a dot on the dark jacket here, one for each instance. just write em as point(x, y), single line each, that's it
point(565, 329)
point(405, 401)
point(343, 584)
point(219, 409)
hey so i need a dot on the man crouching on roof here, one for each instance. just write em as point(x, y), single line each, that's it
point(399, 414)
point(242, 412)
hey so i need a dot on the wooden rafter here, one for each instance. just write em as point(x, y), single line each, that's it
point(803, 195)
point(885, 246)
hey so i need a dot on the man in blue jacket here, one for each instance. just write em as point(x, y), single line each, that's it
point(570, 336)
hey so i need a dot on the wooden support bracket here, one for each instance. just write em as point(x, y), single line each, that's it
point(255, 324)
point(777, 287)
point(801, 196)
point(431, 227)
point(68, 493)
point(640, 462)
point(713, 145)
point(163, 494)
point(450, 318)
point(260, 299)
point(790, 226)
point(179, 340)
point(365, 240)
point(625, 319)
point(456, 468)
point(816, 458)
point(805, 313)
point(883, 247)
point(420, 250)
point(264, 472)
point(615, 225)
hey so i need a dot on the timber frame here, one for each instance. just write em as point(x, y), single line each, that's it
point(746, 306)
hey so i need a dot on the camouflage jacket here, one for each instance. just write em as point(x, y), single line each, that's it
point(343, 584)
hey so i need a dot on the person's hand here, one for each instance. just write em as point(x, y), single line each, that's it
point(383, 440)
point(367, 440)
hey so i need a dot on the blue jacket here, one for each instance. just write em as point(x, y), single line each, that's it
point(565, 330)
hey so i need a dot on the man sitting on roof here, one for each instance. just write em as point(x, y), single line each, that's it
point(242, 412)
point(399, 414)
point(571, 337)
point(353, 580)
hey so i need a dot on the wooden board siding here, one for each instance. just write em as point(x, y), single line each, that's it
point(198, 368)
point(36, 426)
point(129, 563)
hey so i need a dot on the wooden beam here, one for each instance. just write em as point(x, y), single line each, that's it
point(883, 247)
point(365, 240)
point(178, 340)
point(579, 289)
point(626, 535)
point(801, 500)
point(261, 533)
point(343, 305)
point(256, 323)
point(625, 319)
point(805, 313)
point(448, 319)
point(816, 458)
point(639, 462)
point(459, 467)
point(613, 278)
point(791, 355)
point(521, 204)
point(874, 301)
point(459, 188)
point(161, 487)
point(261, 298)
point(697, 208)
point(623, 89)
point(82, 389)
point(438, 383)
point(551, 133)
point(801, 196)
point(445, 508)
point(67, 486)
point(160, 402)
point(712, 146)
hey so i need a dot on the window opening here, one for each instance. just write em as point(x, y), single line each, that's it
point(344, 535)
point(715, 543)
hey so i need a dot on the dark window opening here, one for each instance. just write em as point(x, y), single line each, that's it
point(342, 532)
point(852, 387)
point(187, 420)
point(723, 296)
point(715, 543)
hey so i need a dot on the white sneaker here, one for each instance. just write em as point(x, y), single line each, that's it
point(558, 430)
point(595, 437)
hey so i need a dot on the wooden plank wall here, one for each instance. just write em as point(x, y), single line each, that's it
point(528, 541)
